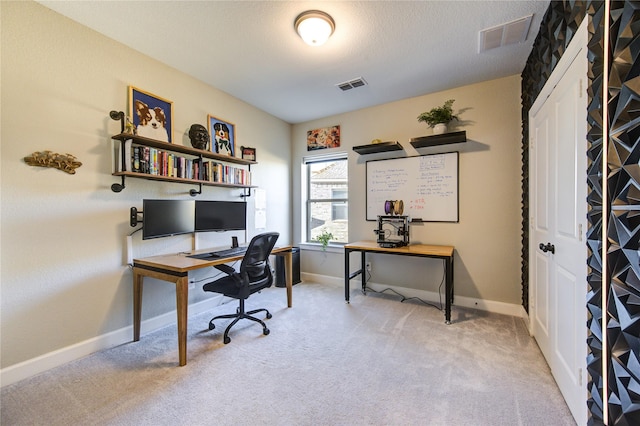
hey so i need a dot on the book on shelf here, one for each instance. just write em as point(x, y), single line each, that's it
point(127, 148)
point(153, 161)
point(222, 173)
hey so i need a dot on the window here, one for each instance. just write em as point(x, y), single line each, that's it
point(327, 198)
point(339, 209)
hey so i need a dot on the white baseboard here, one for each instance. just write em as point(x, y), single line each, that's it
point(525, 317)
point(467, 302)
point(29, 368)
point(322, 279)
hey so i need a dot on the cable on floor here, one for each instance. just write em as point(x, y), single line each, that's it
point(404, 298)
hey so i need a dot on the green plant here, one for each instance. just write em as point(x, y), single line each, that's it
point(324, 238)
point(443, 114)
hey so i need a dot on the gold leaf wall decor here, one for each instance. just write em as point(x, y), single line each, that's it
point(65, 162)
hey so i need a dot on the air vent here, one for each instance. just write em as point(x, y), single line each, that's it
point(510, 33)
point(351, 84)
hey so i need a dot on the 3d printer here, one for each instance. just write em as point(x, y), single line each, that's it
point(393, 231)
point(393, 228)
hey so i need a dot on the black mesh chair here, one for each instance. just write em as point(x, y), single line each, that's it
point(254, 275)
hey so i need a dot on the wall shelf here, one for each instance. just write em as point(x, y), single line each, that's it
point(124, 159)
point(165, 146)
point(443, 139)
point(378, 147)
point(149, 176)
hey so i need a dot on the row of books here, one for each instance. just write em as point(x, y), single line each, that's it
point(213, 171)
point(153, 161)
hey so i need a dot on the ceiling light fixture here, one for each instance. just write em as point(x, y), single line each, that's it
point(314, 27)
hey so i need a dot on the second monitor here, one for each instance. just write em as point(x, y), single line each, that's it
point(220, 216)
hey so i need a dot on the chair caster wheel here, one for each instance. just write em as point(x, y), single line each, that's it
point(266, 331)
point(226, 340)
point(211, 326)
point(269, 315)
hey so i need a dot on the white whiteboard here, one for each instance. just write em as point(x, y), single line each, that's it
point(427, 185)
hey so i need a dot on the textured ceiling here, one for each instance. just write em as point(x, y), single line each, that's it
point(250, 50)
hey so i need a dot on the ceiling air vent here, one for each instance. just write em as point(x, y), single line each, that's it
point(510, 33)
point(351, 84)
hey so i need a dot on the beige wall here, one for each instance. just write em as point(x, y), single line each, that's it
point(63, 274)
point(487, 237)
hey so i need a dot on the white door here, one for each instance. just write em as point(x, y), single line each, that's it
point(558, 207)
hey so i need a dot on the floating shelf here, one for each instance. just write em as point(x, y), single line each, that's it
point(443, 139)
point(378, 147)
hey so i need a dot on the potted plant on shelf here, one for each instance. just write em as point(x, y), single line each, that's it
point(324, 238)
point(439, 117)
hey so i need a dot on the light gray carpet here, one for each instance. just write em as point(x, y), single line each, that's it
point(374, 362)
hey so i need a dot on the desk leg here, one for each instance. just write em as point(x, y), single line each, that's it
point(182, 300)
point(448, 289)
point(452, 279)
point(363, 268)
point(347, 273)
point(288, 264)
point(137, 303)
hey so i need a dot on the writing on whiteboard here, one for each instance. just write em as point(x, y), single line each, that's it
point(428, 185)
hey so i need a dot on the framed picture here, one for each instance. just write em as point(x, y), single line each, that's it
point(327, 137)
point(223, 136)
point(248, 153)
point(152, 116)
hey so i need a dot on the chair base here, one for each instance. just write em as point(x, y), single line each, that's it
point(241, 314)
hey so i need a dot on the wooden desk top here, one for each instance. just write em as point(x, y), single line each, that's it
point(410, 250)
point(183, 263)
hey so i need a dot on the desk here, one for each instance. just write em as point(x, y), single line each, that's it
point(175, 268)
point(420, 250)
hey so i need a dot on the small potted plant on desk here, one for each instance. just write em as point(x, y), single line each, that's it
point(439, 117)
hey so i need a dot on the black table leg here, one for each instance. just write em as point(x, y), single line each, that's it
point(363, 268)
point(448, 289)
point(347, 277)
point(452, 280)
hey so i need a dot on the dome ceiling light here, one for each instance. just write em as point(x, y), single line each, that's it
point(314, 27)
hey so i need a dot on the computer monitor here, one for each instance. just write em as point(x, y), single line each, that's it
point(220, 216)
point(164, 218)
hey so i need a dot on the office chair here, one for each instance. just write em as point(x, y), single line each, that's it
point(253, 276)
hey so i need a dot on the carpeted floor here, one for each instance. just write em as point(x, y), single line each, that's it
point(375, 361)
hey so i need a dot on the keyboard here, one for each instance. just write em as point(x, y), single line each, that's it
point(235, 251)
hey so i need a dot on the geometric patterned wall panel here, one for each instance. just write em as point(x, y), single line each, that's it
point(623, 313)
point(623, 202)
point(595, 385)
point(595, 319)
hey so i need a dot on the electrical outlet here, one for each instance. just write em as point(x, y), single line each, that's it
point(369, 266)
